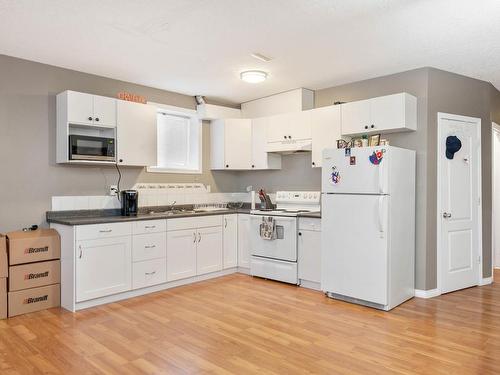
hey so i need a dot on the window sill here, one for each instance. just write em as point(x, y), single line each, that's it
point(175, 171)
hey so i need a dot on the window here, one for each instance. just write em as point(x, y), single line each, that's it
point(178, 144)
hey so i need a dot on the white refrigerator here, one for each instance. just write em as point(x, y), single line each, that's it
point(368, 225)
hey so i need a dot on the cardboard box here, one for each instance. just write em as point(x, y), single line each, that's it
point(3, 298)
point(33, 246)
point(34, 299)
point(4, 266)
point(33, 275)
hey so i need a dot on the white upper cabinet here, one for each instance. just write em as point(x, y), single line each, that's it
point(87, 109)
point(325, 131)
point(136, 134)
point(231, 144)
point(289, 127)
point(385, 114)
point(261, 159)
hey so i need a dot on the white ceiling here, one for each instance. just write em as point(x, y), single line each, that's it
point(201, 46)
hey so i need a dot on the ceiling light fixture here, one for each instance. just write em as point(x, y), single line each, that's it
point(253, 76)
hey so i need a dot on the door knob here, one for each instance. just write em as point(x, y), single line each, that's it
point(446, 215)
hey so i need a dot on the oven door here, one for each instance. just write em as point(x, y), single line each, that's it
point(284, 244)
point(82, 147)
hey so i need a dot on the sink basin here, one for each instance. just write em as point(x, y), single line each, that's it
point(171, 212)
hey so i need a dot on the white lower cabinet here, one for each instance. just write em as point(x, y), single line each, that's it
point(230, 236)
point(181, 254)
point(244, 240)
point(309, 250)
point(149, 272)
point(209, 250)
point(103, 267)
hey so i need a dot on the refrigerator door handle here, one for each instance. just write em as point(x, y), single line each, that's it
point(381, 214)
point(381, 178)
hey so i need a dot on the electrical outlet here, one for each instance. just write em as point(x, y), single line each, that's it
point(113, 190)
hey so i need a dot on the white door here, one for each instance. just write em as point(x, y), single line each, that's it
point(230, 241)
point(104, 111)
point(459, 204)
point(309, 255)
point(325, 131)
point(244, 240)
point(80, 108)
point(136, 134)
point(356, 118)
point(209, 250)
point(103, 267)
point(354, 246)
point(361, 170)
point(238, 143)
point(181, 254)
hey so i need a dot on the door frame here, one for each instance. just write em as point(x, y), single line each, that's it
point(474, 120)
point(495, 128)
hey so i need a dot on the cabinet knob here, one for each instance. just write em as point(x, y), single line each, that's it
point(300, 233)
point(284, 136)
point(372, 126)
point(90, 118)
point(97, 118)
point(227, 165)
point(366, 126)
point(289, 137)
point(253, 166)
point(313, 163)
point(121, 160)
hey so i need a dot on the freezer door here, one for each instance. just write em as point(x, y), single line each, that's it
point(354, 246)
point(360, 170)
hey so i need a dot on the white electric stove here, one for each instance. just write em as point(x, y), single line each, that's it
point(276, 257)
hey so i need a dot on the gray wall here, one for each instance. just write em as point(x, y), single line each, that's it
point(29, 174)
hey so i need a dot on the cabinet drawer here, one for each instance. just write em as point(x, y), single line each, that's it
point(149, 272)
point(194, 222)
point(149, 246)
point(306, 223)
point(149, 226)
point(96, 231)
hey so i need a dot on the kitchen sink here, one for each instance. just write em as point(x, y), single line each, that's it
point(171, 212)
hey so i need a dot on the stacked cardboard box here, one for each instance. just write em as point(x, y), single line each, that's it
point(34, 271)
point(4, 269)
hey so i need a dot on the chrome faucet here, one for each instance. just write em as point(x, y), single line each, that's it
point(172, 206)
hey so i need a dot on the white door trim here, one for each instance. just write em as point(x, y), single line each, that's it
point(495, 128)
point(472, 120)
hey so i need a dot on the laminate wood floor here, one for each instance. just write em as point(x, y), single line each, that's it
point(242, 325)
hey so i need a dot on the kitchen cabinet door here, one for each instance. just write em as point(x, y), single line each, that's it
point(181, 254)
point(103, 267)
point(80, 107)
point(278, 127)
point(393, 113)
point(356, 117)
point(209, 250)
point(309, 255)
point(136, 134)
point(230, 233)
point(260, 158)
point(244, 240)
point(325, 129)
point(104, 111)
point(238, 143)
point(300, 125)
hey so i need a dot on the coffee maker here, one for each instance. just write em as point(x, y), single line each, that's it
point(129, 202)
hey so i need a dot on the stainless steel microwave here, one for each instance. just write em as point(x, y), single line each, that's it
point(84, 147)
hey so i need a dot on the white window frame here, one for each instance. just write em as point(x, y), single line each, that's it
point(193, 116)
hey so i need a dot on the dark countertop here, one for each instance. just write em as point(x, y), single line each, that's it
point(86, 217)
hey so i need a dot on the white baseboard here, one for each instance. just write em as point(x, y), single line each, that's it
point(309, 284)
point(420, 293)
point(486, 281)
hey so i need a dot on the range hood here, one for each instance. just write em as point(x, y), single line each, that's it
point(290, 146)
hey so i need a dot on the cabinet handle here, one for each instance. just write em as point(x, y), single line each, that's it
point(194, 237)
point(253, 166)
point(366, 126)
point(300, 233)
point(284, 136)
point(199, 237)
point(372, 126)
point(81, 252)
point(289, 137)
point(150, 226)
point(106, 231)
point(227, 165)
point(149, 246)
point(121, 160)
point(90, 118)
point(225, 223)
point(150, 273)
point(97, 119)
point(313, 163)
